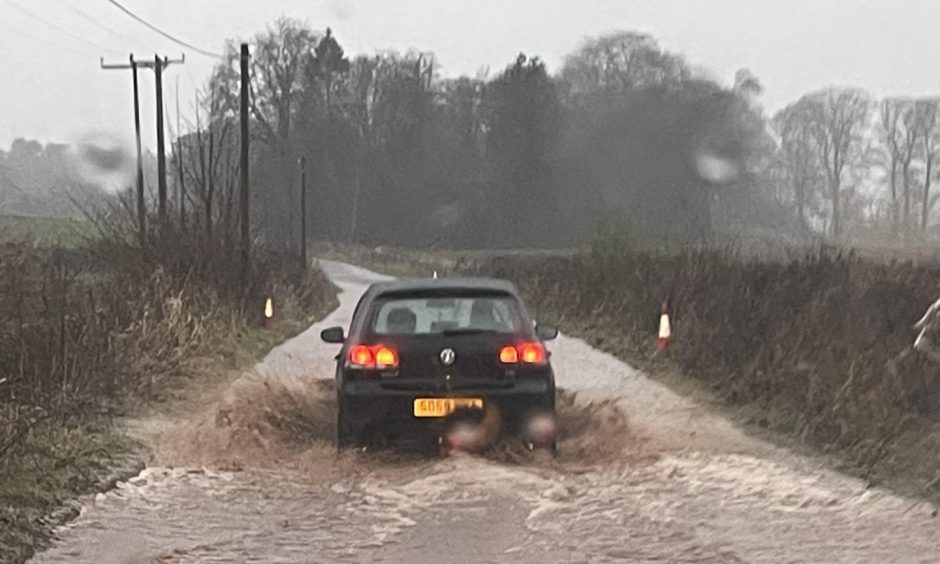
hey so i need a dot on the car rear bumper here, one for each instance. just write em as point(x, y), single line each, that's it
point(367, 402)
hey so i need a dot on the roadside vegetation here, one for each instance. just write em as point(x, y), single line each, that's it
point(816, 346)
point(93, 332)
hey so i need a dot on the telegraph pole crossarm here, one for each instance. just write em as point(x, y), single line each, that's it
point(145, 64)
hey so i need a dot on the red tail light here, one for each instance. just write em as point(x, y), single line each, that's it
point(509, 355)
point(371, 357)
point(532, 353)
point(527, 353)
point(361, 355)
point(386, 357)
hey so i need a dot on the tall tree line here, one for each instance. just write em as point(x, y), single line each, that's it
point(398, 155)
point(861, 169)
point(625, 134)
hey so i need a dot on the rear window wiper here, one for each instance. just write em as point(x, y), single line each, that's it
point(466, 331)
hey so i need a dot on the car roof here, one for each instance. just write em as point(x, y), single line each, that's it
point(417, 284)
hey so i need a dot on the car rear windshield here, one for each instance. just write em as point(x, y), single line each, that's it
point(436, 314)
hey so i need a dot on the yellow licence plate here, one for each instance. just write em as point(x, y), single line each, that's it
point(442, 407)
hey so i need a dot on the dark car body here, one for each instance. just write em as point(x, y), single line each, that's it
point(441, 361)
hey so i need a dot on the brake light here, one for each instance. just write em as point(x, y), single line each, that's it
point(386, 357)
point(371, 357)
point(508, 355)
point(361, 355)
point(532, 353)
point(528, 353)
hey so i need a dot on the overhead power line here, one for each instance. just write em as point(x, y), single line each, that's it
point(18, 30)
point(93, 21)
point(156, 29)
point(59, 28)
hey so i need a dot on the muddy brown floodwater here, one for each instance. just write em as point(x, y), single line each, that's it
point(246, 472)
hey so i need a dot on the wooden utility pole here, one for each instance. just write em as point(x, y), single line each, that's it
point(161, 149)
point(157, 65)
point(303, 212)
point(243, 118)
point(141, 205)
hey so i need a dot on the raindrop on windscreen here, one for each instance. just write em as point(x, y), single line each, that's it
point(104, 161)
point(715, 168)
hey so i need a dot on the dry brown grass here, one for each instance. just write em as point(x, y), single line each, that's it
point(80, 338)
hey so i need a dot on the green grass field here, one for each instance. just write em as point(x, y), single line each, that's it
point(46, 231)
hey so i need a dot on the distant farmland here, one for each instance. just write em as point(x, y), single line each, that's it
point(46, 231)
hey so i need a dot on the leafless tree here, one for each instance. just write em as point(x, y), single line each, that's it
point(839, 117)
point(619, 63)
point(890, 134)
point(928, 137)
point(209, 165)
point(800, 161)
point(907, 150)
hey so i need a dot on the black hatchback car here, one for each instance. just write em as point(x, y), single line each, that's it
point(421, 352)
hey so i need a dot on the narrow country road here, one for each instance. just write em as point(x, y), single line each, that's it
point(245, 472)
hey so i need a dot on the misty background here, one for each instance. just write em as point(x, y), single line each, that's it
point(529, 125)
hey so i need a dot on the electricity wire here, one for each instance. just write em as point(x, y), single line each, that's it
point(156, 29)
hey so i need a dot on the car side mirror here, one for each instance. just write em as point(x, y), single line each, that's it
point(333, 335)
point(546, 332)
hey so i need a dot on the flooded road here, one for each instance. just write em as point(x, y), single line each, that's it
point(246, 472)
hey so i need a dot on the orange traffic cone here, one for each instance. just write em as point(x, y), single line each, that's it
point(269, 313)
point(665, 330)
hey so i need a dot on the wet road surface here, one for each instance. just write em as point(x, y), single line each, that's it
point(246, 472)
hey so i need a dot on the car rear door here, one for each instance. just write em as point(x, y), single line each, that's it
point(449, 363)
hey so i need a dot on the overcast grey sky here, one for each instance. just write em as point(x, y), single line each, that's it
point(54, 90)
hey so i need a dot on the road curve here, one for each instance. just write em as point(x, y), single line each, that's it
point(246, 473)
